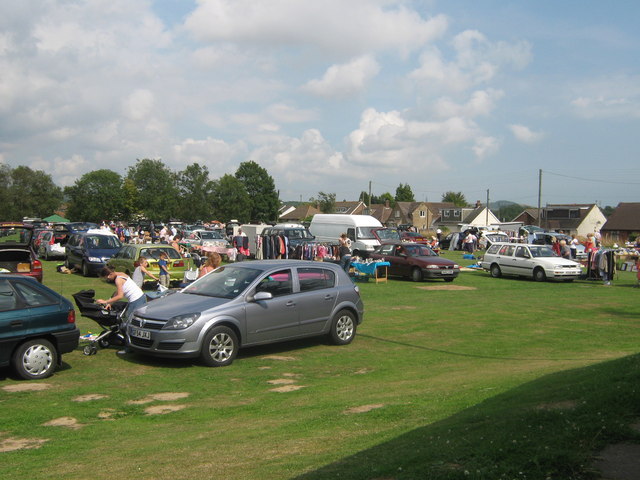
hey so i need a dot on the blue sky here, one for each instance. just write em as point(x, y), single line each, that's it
point(329, 96)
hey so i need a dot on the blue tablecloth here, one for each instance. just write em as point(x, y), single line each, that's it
point(369, 268)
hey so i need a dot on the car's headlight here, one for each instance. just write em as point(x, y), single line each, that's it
point(181, 321)
point(456, 266)
point(433, 266)
point(558, 266)
point(94, 259)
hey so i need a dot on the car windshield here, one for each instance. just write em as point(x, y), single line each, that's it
point(103, 241)
point(15, 235)
point(419, 251)
point(366, 233)
point(542, 251)
point(224, 282)
point(388, 233)
point(211, 235)
point(154, 252)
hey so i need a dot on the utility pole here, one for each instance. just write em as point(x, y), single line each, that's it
point(486, 221)
point(539, 197)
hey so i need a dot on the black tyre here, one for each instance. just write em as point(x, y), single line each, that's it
point(35, 359)
point(495, 271)
point(343, 328)
point(220, 347)
point(539, 275)
point(416, 274)
point(85, 269)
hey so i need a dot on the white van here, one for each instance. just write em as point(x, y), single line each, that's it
point(327, 228)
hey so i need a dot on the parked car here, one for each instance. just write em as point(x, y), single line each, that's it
point(249, 303)
point(89, 251)
point(124, 260)
point(539, 262)
point(38, 233)
point(37, 326)
point(51, 245)
point(16, 250)
point(207, 238)
point(413, 237)
point(416, 261)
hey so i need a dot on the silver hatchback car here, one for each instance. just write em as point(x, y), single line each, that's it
point(249, 303)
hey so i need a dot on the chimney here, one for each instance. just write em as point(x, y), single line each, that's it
point(478, 203)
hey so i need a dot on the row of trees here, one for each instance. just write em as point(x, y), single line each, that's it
point(148, 190)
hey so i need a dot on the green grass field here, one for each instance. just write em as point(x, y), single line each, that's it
point(505, 379)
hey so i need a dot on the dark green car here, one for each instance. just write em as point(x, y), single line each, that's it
point(125, 259)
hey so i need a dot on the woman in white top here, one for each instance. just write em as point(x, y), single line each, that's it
point(126, 289)
point(140, 272)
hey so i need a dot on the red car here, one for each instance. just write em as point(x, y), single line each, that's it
point(16, 250)
point(415, 261)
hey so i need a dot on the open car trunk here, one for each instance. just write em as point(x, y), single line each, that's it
point(15, 260)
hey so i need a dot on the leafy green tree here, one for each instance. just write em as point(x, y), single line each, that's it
point(130, 209)
point(382, 199)
point(29, 193)
point(157, 192)
point(507, 213)
point(231, 200)
point(364, 198)
point(457, 198)
point(327, 202)
point(404, 194)
point(95, 196)
point(261, 189)
point(195, 189)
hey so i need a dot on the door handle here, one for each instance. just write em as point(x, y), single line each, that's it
point(328, 297)
point(16, 323)
point(290, 303)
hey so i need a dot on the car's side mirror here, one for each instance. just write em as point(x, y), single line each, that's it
point(262, 296)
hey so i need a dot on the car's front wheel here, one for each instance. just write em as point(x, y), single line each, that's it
point(220, 347)
point(343, 327)
point(539, 275)
point(35, 359)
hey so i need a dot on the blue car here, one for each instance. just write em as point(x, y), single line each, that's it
point(37, 325)
point(89, 252)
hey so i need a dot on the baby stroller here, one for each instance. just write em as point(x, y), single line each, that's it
point(109, 320)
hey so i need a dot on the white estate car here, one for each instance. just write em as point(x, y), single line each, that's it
point(535, 261)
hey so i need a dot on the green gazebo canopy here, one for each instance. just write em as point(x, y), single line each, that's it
point(55, 218)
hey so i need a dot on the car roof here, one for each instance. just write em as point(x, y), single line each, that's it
point(269, 264)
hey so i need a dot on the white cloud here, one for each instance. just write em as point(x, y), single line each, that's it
point(345, 28)
point(481, 103)
point(477, 61)
point(346, 79)
point(138, 105)
point(525, 134)
point(615, 96)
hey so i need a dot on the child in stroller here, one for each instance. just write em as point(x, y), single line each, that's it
point(109, 320)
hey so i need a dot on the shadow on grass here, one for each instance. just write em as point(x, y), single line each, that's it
point(548, 428)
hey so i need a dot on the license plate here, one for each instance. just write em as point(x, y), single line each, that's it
point(135, 332)
point(447, 272)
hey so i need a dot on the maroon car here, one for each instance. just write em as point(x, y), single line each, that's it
point(16, 250)
point(416, 262)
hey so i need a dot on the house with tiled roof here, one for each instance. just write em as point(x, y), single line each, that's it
point(379, 211)
point(454, 218)
point(623, 222)
point(298, 214)
point(349, 208)
point(574, 218)
point(529, 216)
point(421, 215)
